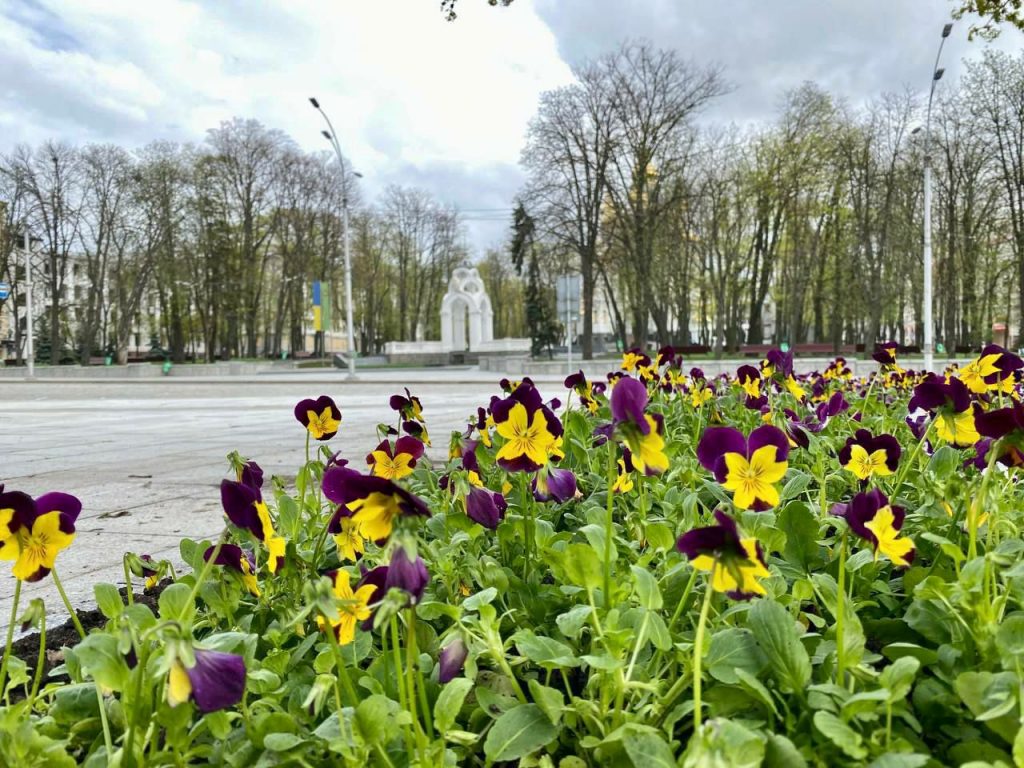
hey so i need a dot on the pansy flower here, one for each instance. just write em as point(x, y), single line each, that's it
point(353, 606)
point(736, 564)
point(867, 456)
point(990, 369)
point(409, 407)
point(553, 484)
point(373, 503)
point(33, 533)
point(394, 462)
point(451, 660)
point(701, 393)
point(529, 427)
point(749, 467)
point(874, 519)
point(632, 359)
point(237, 559)
point(245, 508)
point(320, 417)
point(409, 575)
point(749, 379)
point(951, 404)
point(215, 681)
point(1004, 428)
point(624, 480)
point(642, 432)
point(885, 354)
point(587, 390)
point(831, 408)
point(145, 567)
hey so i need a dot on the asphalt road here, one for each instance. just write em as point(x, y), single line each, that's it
point(147, 458)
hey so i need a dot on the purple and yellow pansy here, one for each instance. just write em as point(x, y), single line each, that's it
point(747, 466)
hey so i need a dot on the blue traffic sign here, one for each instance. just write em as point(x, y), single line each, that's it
point(5, 290)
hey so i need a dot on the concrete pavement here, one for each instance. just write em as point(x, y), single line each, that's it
point(146, 457)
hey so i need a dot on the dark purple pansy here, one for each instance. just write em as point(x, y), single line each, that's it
point(713, 540)
point(344, 486)
point(551, 483)
point(862, 510)
point(870, 444)
point(526, 395)
point(885, 353)
point(410, 576)
point(325, 416)
point(835, 405)
point(409, 406)
point(716, 442)
point(781, 362)
point(451, 660)
point(239, 501)
point(217, 680)
point(628, 401)
point(376, 578)
point(1007, 363)
point(934, 393)
point(251, 474)
point(485, 507)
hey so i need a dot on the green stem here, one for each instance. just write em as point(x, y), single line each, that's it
point(136, 709)
point(399, 682)
point(528, 533)
point(37, 678)
point(978, 503)
point(912, 459)
point(609, 526)
point(421, 685)
point(107, 741)
point(67, 603)
point(841, 614)
point(10, 636)
point(684, 600)
point(190, 606)
point(410, 686)
point(128, 588)
point(698, 652)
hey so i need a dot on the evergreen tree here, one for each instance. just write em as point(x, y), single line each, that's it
point(540, 316)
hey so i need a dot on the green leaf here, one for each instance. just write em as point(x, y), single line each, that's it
point(899, 676)
point(571, 622)
point(550, 700)
point(374, 720)
point(801, 529)
point(840, 734)
point(899, 760)
point(776, 633)
point(732, 649)
point(519, 732)
point(449, 703)
point(895, 651)
point(756, 688)
point(108, 600)
point(1010, 637)
point(659, 537)
point(583, 567)
point(780, 752)
point(545, 651)
point(102, 661)
point(483, 597)
point(281, 742)
point(647, 750)
point(795, 486)
point(943, 463)
point(646, 587)
point(173, 602)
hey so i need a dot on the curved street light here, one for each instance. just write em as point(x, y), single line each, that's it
point(332, 137)
point(937, 72)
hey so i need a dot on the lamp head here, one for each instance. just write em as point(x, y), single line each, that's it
point(947, 29)
point(314, 102)
point(938, 74)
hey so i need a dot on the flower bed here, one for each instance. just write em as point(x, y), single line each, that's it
point(763, 569)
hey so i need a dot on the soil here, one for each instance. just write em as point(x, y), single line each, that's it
point(66, 636)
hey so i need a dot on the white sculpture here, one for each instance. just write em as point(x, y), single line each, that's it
point(466, 301)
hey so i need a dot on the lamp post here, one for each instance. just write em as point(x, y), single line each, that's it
point(929, 347)
point(332, 137)
point(30, 352)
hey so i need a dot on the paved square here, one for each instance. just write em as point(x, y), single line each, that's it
point(146, 457)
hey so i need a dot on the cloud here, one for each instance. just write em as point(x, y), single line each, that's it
point(415, 99)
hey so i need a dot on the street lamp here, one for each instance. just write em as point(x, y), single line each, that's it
point(332, 137)
point(937, 72)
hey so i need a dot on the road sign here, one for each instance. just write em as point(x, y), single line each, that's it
point(567, 292)
point(5, 290)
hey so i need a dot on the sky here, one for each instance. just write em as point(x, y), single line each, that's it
point(417, 100)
